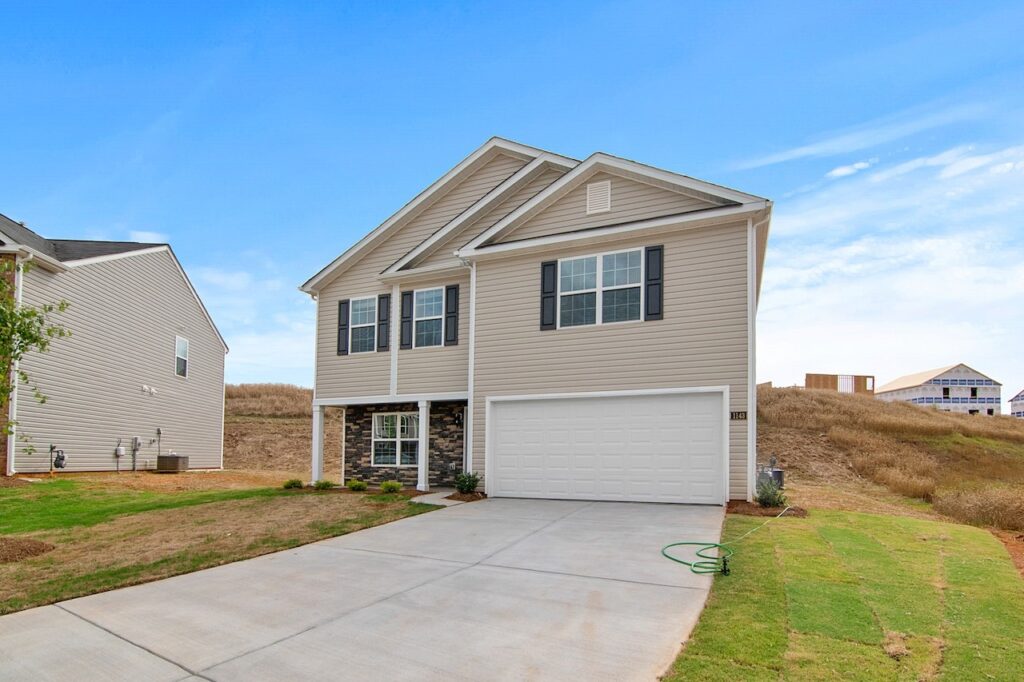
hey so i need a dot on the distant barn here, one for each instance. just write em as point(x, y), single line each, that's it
point(957, 388)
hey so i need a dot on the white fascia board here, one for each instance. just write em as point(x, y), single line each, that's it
point(495, 143)
point(28, 253)
point(115, 256)
point(594, 163)
point(440, 270)
point(389, 399)
point(684, 219)
point(486, 203)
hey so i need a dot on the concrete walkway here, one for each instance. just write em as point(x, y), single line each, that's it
point(499, 589)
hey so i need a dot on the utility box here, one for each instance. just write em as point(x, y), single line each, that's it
point(171, 464)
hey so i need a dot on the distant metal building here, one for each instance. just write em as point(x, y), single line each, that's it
point(957, 388)
point(1017, 406)
point(844, 383)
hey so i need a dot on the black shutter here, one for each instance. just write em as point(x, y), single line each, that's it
point(451, 315)
point(548, 294)
point(405, 328)
point(383, 322)
point(654, 282)
point(343, 327)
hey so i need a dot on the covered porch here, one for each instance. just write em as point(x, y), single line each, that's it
point(419, 440)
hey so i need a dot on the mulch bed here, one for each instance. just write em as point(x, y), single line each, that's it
point(12, 482)
point(16, 549)
point(467, 497)
point(751, 509)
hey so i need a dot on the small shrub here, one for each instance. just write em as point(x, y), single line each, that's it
point(390, 487)
point(292, 483)
point(323, 484)
point(769, 494)
point(356, 486)
point(466, 482)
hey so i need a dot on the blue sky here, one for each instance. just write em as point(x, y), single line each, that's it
point(262, 139)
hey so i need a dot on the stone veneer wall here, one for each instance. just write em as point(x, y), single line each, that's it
point(447, 439)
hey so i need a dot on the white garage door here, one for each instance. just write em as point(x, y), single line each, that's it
point(644, 448)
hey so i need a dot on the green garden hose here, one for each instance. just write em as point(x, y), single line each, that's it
point(708, 562)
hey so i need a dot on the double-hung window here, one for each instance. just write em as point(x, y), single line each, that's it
point(428, 317)
point(181, 356)
point(600, 289)
point(363, 325)
point(395, 439)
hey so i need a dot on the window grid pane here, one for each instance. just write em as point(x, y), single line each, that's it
point(410, 426)
point(620, 305)
point(579, 274)
point(181, 367)
point(363, 339)
point(428, 333)
point(364, 310)
point(429, 303)
point(579, 309)
point(619, 269)
point(384, 452)
point(410, 452)
point(384, 425)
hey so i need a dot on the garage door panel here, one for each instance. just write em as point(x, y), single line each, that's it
point(655, 448)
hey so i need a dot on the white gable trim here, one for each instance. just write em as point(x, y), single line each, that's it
point(434, 191)
point(115, 256)
point(513, 184)
point(598, 162)
point(685, 220)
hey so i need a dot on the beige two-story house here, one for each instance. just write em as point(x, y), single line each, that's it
point(566, 329)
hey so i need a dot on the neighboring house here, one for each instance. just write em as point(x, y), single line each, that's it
point(565, 329)
point(144, 361)
point(1017, 406)
point(956, 388)
point(844, 383)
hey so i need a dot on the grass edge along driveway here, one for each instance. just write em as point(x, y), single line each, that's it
point(852, 596)
point(105, 538)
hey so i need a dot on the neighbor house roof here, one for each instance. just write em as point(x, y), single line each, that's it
point(13, 233)
point(919, 378)
point(1019, 396)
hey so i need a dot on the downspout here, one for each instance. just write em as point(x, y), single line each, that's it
point(12, 404)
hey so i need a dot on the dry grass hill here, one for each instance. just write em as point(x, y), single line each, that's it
point(839, 450)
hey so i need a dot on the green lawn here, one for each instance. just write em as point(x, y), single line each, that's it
point(849, 596)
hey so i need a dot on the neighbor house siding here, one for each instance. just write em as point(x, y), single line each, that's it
point(124, 315)
point(702, 340)
point(442, 253)
point(369, 373)
point(438, 369)
point(631, 200)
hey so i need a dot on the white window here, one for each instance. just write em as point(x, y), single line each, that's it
point(428, 317)
point(600, 289)
point(181, 356)
point(363, 325)
point(395, 439)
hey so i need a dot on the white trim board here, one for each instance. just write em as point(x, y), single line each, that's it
point(722, 390)
point(384, 399)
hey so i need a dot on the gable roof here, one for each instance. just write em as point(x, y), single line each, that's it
point(719, 196)
point(424, 199)
point(918, 378)
point(1019, 396)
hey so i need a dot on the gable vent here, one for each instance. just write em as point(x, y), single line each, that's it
point(599, 197)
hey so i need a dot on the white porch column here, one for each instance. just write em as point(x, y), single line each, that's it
point(422, 479)
point(318, 442)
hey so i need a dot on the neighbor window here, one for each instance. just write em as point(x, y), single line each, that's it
point(600, 289)
point(395, 439)
point(180, 356)
point(363, 325)
point(428, 316)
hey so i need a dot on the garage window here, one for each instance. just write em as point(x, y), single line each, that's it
point(395, 439)
point(600, 289)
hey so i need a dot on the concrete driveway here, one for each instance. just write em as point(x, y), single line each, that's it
point(499, 589)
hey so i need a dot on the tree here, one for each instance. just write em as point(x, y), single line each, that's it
point(23, 329)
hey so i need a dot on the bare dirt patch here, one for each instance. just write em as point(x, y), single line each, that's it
point(281, 444)
point(1014, 543)
point(745, 508)
point(467, 497)
point(15, 549)
point(12, 482)
point(186, 480)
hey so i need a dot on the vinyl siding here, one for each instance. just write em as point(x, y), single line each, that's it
point(439, 368)
point(442, 252)
point(124, 317)
point(701, 342)
point(631, 200)
point(370, 373)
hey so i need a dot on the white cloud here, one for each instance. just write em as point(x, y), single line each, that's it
point(899, 270)
point(852, 169)
point(149, 237)
point(224, 279)
point(872, 134)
